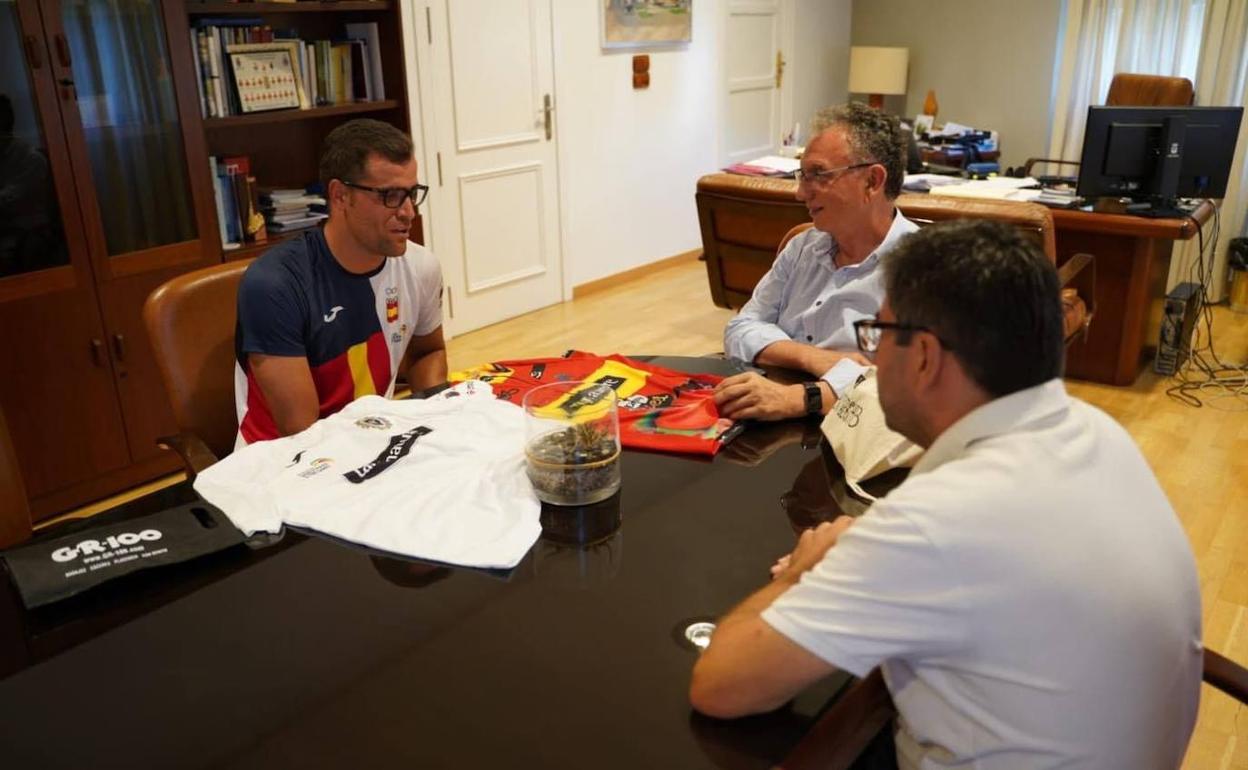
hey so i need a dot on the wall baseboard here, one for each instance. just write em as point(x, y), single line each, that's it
point(612, 281)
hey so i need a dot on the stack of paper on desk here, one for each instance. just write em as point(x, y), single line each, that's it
point(999, 188)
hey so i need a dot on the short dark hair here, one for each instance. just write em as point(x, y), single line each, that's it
point(346, 148)
point(874, 136)
point(989, 293)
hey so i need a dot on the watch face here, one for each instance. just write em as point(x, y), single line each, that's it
point(814, 398)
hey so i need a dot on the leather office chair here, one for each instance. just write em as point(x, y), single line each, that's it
point(1077, 275)
point(745, 220)
point(845, 730)
point(190, 320)
point(1128, 89)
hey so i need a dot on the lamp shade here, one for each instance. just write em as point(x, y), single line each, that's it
point(875, 70)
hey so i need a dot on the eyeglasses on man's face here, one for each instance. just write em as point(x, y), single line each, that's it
point(825, 176)
point(393, 197)
point(869, 330)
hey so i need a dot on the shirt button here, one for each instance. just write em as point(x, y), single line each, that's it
point(820, 302)
point(809, 338)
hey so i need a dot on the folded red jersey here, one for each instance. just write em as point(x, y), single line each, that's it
point(660, 409)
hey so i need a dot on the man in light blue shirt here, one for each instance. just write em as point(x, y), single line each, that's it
point(802, 312)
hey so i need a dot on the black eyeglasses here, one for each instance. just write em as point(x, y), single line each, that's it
point(393, 197)
point(826, 175)
point(869, 331)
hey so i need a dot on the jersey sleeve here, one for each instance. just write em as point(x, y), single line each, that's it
point(272, 312)
point(428, 275)
point(882, 592)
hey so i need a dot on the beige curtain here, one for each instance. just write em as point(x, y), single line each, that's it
point(1222, 79)
point(1103, 37)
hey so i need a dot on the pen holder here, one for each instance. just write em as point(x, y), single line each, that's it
point(572, 442)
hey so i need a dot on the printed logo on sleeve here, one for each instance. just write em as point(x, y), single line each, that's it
point(332, 314)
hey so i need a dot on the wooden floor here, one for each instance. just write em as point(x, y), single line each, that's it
point(1199, 454)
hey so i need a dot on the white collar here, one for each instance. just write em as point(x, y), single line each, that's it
point(1001, 415)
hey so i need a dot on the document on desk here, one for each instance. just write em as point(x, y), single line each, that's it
point(776, 164)
point(925, 182)
point(997, 188)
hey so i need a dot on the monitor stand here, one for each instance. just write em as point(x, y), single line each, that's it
point(1159, 208)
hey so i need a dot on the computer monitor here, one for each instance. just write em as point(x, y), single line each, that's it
point(1155, 155)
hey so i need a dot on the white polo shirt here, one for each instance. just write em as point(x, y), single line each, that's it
point(1028, 592)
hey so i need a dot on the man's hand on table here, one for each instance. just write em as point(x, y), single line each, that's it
point(810, 550)
point(751, 396)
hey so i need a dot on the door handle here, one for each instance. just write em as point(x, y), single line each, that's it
point(97, 352)
point(33, 57)
point(547, 109)
point(779, 68)
point(62, 51)
point(119, 346)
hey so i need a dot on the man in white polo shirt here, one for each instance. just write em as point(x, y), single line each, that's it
point(1028, 591)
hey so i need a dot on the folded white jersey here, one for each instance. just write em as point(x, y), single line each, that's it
point(440, 479)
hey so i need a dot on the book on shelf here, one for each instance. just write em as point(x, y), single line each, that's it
point(238, 213)
point(287, 209)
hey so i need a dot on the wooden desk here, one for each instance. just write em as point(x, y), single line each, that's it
point(1132, 266)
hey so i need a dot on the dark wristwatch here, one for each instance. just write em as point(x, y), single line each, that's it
point(814, 398)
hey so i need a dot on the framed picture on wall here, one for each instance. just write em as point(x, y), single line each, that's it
point(646, 23)
point(267, 76)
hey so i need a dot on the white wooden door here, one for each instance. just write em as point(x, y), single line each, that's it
point(758, 37)
point(495, 196)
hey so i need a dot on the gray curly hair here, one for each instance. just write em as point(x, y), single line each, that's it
point(873, 136)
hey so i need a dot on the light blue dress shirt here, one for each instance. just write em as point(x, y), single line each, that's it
point(807, 299)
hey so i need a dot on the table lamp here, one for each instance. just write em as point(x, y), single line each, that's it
point(877, 71)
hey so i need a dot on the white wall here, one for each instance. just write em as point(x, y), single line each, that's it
point(820, 59)
point(629, 159)
point(990, 62)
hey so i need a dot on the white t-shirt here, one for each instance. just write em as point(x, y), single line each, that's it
point(440, 479)
point(1028, 592)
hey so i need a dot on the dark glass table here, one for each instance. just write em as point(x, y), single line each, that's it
point(311, 653)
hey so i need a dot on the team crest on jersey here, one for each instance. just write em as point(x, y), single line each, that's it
point(392, 309)
point(315, 467)
point(373, 422)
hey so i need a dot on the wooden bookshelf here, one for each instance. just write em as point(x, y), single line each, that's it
point(284, 145)
point(286, 116)
point(260, 8)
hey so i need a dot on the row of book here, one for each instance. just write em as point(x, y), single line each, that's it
point(243, 65)
point(238, 213)
point(247, 213)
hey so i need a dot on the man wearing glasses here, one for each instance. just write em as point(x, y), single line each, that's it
point(1028, 592)
point(334, 314)
point(801, 314)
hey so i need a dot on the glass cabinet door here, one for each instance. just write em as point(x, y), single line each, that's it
point(32, 237)
point(120, 63)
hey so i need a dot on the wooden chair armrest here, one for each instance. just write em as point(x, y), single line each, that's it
point(1226, 675)
point(195, 454)
point(845, 729)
